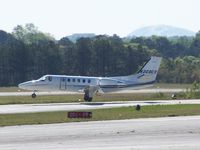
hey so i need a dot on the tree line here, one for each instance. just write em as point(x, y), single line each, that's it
point(28, 53)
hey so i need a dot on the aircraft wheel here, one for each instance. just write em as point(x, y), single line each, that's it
point(86, 97)
point(33, 95)
point(138, 107)
point(89, 99)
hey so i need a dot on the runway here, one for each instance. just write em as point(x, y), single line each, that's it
point(156, 90)
point(27, 108)
point(177, 133)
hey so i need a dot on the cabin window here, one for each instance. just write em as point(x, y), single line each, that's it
point(79, 80)
point(63, 79)
point(89, 80)
point(68, 80)
point(83, 80)
point(74, 80)
point(49, 78)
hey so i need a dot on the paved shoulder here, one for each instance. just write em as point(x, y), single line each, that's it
point(153, 133)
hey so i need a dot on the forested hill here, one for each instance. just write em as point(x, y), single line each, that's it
point(28, 53)
point(161, 30)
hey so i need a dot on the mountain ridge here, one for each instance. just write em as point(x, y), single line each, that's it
point(74, 37)
point(161, 30)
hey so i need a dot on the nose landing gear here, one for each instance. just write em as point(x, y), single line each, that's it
point(33, 95)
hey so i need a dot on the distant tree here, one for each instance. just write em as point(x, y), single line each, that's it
point(28, 53)
point(195, 47)
point(30, 34)
point(102, 54)
point(44, 59)
point(13, 60)
point(84, 56)
point(68, 54)
point(180, 70)
point(117, 61)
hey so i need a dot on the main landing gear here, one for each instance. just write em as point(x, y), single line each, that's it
point(87, 98)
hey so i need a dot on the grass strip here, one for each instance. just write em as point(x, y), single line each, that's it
point(4, 100)
point(101, 114)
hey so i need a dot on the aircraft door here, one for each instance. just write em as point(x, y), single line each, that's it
point(63, 85)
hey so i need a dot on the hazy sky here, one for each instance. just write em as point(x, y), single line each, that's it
point(65, 17)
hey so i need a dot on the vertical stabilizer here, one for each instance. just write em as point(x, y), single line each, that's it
point(149, 71)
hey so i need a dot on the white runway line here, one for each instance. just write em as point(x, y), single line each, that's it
point(27, 108)
point(175, 133)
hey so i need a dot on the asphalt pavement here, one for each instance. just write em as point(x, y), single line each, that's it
point(170, 133)
point(28, 108)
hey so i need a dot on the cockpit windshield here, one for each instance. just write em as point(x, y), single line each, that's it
point(43, 78)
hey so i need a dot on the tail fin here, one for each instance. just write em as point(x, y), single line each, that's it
point(149, 71)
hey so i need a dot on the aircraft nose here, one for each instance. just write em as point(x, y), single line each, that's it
point(26, 85)
point(22, 85)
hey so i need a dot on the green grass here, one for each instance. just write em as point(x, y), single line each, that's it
point(11, 89)
point(4, 100)
point(172, 86)
point(39, 99)
point(101, 114)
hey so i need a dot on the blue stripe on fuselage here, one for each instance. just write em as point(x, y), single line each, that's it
point(127, 85)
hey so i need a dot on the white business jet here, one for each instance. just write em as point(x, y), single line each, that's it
point(145, 77)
